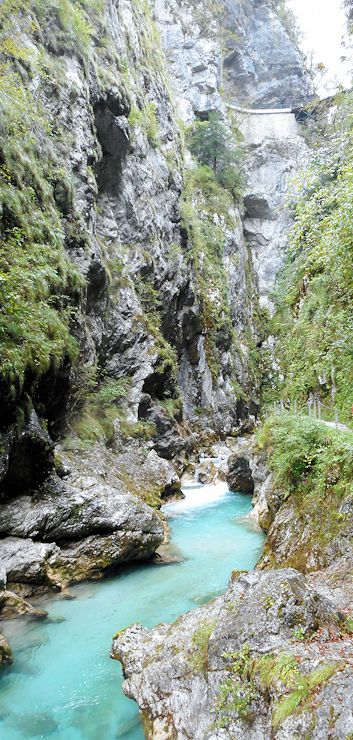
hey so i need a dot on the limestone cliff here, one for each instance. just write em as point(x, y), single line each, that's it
point(124, 335)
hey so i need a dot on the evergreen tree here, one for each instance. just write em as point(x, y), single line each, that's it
point(210, 143)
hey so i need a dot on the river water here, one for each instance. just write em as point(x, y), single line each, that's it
point(62, 685)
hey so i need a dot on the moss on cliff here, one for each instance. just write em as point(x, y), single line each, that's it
point(39, 286)
point(312, 465)
point(207, 214)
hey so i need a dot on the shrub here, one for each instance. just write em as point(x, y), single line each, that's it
point(298, 687)
point(100, 408)
point(312, 467)
point(36, 277)
point(146, 119)
point(206, 213)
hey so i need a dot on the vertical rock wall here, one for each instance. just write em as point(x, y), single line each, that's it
point(166, 349)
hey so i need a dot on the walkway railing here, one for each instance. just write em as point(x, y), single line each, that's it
point(316, 409)
point(259, 111)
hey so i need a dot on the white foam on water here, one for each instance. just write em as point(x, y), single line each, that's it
point(197, 495)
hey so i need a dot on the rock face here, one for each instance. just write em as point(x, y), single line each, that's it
point(276, 150)
point(152, 372)
point(264, 67)
point(270, 658)
point(293, 536)
point(84, 525)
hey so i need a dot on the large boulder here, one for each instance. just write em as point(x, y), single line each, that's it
point(63, 534)
point(25, 561)
point(239, 476)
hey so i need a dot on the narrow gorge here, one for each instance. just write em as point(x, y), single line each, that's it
point(175, 297)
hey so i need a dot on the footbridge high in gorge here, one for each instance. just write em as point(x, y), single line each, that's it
point(257, 124)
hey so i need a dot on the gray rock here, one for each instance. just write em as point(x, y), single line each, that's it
point(96, 529)
point(63, 513)
point(258, 77)
point(14, 605)
point(5, 651)
point(177, 673)
point(93, 556)
point(24, 560)
point(140, 315)
point(239, 476)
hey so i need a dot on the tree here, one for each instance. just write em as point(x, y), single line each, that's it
point(211, 144)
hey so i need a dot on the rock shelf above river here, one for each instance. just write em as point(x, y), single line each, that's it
point(240, 667)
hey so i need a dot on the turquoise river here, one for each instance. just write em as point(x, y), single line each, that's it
point(63, 685)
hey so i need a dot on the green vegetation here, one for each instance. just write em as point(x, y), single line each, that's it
point(299, 633)
point(173, 407)
point(152, 302)
point(306, 454)
point(100, 408)
point(38, 285)
point(73, 28)
point(138, 429)
point(237, 693)
point(313, 465)
point(208, 16)
point(289, 21)
point(145, 118)
point(251, 677)
point(143, 488)
point(299, 687)
point(348, 624)
point(200, 640)
point(313, 321)
point(214, 147)
point(206, 214)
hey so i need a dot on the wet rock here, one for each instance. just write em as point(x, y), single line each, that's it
point(108, 528)
point(239, 476)
point(93, 556)
point(5, 652)
point(13, 605)
point(178, 673)
point(207, 472)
